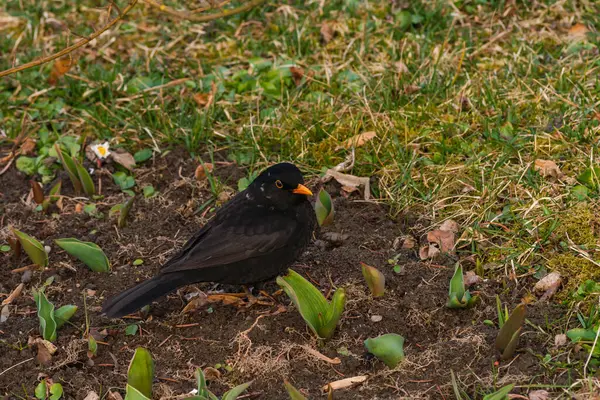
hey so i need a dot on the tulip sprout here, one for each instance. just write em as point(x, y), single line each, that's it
point(458, 296)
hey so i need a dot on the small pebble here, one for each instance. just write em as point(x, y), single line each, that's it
point(376, 318)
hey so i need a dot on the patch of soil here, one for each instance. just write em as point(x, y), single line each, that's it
point(263, 344)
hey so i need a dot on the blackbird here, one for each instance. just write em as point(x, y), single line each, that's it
point(252, 238)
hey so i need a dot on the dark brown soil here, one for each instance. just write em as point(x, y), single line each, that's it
point(264, 344)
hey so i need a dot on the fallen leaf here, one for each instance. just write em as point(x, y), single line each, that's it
point(409, 243)
point(410, 89)
point(357, 140)
point(9, 22)
point(204, 100)
point(14, 294)
point(123, 158)
point(326, 32)
point(92, 396)
point(547, 168)
point(28, 147)
point(428, 252)
point(401, 68)
point(297, 74)
point(560, 340)
point(443, 239)
point(61, 67)
point(345, 383)
point(450, 226)
point(349, 180)
point(211, 374)
point(578, 31)
point(79, 208)
point(201, 170)
point(4, 314)
point(114, 396)
point(471, 278)
point(45, 350)
point(538, 395)
point(199, 301)
point(549, 285)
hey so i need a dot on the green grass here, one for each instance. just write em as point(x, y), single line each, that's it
point(489, 87)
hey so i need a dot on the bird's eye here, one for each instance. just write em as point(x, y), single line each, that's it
point(278, 184)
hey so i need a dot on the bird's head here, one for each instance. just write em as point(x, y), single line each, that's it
point(281, 184)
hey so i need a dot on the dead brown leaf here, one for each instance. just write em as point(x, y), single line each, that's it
point(114, 396)
point(45, 350)
point(14, 294)
point(538, 395)
point(211, 374)
point(401, 68)
point(297, 74)
point(4, 314)
point(197, 302)
point(471, 278)
point(123, 158)
point(410, 89)
point(357, 140)
point(201, 171)
point(547, 168)
point(349, 181)
point(578, 31)
point(450, 226)
point(549, 285)
point(28, 147)
point(345, 383)
point(409, 243)
point(326, 32)
point(9, 22)
point(204, 100)
point(61, 67)
point(428, 252)
point(560, 340)
point(92, 396)
point(443, 239)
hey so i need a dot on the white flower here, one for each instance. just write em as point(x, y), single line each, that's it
point(101, 150)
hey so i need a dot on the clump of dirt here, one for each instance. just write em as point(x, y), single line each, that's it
point(264, 344)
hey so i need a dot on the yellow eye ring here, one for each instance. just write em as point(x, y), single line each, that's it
point(278, 184)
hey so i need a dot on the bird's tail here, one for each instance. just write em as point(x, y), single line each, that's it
point(138, 296)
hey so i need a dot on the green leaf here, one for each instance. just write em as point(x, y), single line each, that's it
point(457, 283)
point(124, 212)
point(142, 155)
point(235, 392)
point(53, 196)
point(40, 390)
point(63, 314)
point(141, 372)
point(131, 330)
point(389, 348)
point(92, 346)
point(581, 335)
point(590, 177)
point(320, 315)
point(580, 192)
point(375, 280)
point(293, 392)
point(201, 380)
point(509, 333)
point(87, 252)
point(70, 167)
point(27, 165)
point(501, 394)
point(56, 391)
point(86, 180)
point(5, 248)
point(33, 248)
point(123, 180)
point(324, 208)
point(132, 393)
point(45, 312)
point(149, 191)
point(138, 261)
point(243, 183)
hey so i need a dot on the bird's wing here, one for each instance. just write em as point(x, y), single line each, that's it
point(249, 233)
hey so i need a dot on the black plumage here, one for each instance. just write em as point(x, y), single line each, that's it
point(254, 237)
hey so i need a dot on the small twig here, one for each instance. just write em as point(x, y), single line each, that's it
point(71, 48)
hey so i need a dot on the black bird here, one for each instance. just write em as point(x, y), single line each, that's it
point(252, 238)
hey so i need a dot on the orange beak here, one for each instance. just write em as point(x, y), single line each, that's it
point(301, 189)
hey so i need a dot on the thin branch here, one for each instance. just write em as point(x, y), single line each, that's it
point(71, 48)
point(204, 18)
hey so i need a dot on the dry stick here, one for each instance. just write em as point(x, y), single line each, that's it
point(204, 18)
point(71, 48)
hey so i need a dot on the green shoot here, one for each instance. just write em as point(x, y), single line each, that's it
point(324, 208)
point(293, 392)
point(458, 297)
point(375, 280)
point(508, 336)
point(33, 248)
point(320, 315)
point(389, 348)
point(51, 320)
point(205, 394)
point(140, 376)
